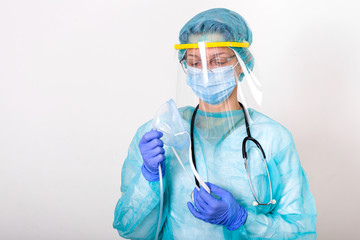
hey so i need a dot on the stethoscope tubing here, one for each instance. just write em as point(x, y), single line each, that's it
point(244, 154)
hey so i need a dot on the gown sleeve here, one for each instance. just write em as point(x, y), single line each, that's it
point(136, 212)
point(294, 217)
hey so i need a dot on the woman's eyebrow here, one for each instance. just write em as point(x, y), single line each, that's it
point(191, 55)
point(221, 53)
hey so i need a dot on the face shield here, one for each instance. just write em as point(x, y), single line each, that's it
point(217, 76)
point(218, 79)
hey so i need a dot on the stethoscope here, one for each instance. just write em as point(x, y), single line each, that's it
point(244, 154)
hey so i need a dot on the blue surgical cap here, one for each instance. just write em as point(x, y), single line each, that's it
point(220, 21)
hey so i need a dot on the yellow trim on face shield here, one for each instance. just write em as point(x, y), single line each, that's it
point(212, 44)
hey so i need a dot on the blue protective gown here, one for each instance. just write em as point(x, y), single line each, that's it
point(219, 161)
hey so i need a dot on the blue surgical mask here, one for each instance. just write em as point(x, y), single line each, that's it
point(221, 82)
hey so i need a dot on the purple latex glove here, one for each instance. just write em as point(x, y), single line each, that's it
point(152, 151)
point(224, 211)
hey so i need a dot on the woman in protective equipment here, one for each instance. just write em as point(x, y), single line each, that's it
point(252, 184)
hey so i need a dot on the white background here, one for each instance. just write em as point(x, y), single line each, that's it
point(77, 78)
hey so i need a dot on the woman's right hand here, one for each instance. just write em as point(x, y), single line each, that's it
point(152, 151)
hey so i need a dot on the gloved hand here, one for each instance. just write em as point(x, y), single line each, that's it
point(224, 211)
point(152, 151)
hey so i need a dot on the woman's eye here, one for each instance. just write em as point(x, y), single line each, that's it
point(194, 64)
point(220, 61)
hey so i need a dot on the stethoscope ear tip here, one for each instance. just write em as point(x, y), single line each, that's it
point(255, 203)
point(273, 201)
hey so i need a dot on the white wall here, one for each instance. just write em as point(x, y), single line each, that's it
point(77, 78)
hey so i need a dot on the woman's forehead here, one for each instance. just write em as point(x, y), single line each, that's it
point(210, 51)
